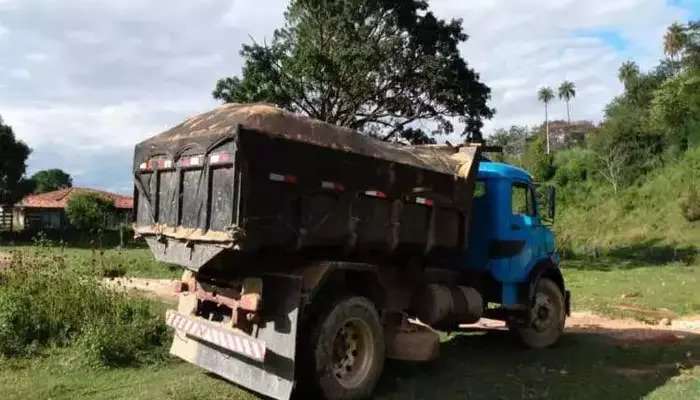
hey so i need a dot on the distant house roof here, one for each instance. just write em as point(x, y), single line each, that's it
point(59, 198)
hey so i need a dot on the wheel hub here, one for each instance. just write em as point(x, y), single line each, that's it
point(352, 349)
point(542, 312)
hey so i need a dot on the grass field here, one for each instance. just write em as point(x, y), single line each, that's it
point(131, 262)
point(472, 366)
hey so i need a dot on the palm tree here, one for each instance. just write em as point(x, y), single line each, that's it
point(628, 73)
point(545, 95)
point(567, 91)
point(674, 42)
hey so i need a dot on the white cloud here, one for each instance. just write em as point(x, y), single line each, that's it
point(20, 73)
point(84, 80)
point(37, 57)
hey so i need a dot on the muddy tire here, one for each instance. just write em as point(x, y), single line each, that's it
point(347, 344)
point(548, 317)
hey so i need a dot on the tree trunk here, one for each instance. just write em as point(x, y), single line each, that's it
point(568, 112)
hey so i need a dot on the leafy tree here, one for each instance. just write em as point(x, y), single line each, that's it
point(674, 43)
point(384, 67)
point(573, 166)
point(513, 141)
point(691, 54)
point(628, 73)
point(89, 211)
point(537, 161)
point(626, 147)
point(13, 159)
point(567, 91)
point(50, 180)
point(545, 95)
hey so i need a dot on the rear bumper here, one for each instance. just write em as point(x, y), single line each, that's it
point(264, 363)
point(216, 335)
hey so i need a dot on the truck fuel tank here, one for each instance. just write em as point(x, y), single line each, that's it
point(446, 306)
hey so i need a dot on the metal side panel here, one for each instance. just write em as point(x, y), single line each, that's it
point(190, 255)
point(274, 377)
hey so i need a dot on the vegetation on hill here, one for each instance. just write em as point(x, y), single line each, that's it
point(634, 182)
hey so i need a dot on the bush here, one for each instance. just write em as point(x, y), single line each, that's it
point(129, 334)
point(89, 211)
point(537, 161)
point(43, 303)
point(573, 166)
point(690, 204)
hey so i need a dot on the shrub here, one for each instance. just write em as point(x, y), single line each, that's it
point(537, 161)
point(43, 303)
point(573, 166)
point(128, 334)
point(89, 211)
point(690, 204)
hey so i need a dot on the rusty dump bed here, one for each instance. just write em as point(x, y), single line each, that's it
point(254, 178)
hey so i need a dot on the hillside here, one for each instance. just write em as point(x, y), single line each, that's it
point(643, 221)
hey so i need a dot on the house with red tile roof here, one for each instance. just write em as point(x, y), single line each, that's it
point(47, 210)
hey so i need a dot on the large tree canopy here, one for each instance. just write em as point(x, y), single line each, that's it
point(50, 180)
point(385, 67)
point(13, 158)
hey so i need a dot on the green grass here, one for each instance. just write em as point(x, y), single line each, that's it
point(472, 366)
point(55, 377)
point(646, 292)
point(131, 262)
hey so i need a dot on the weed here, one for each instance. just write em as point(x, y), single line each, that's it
point(690, 204)
point(45, 303)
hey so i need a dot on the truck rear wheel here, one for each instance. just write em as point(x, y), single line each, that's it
point(348, 350)
point(547, 317)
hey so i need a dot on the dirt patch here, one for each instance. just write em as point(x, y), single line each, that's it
point(158, 288)
point(5, 260)
point(624, 331)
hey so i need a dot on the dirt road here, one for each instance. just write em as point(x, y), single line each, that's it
point(623, 330)
point(159, 288)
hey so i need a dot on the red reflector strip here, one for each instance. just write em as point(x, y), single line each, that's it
point(332, 186)
point(376, 193)
point(283, 178)
point(424, 201)
point(217, 335)
point(191, 161)
point(220, 158)
point(162, 164)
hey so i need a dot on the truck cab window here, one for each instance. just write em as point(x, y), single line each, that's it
point(522, 200)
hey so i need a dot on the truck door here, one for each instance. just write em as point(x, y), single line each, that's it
point(524, 224)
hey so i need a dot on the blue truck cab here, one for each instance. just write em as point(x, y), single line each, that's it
point(509, 240)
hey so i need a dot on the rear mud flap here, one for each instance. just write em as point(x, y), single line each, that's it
point(274, 377)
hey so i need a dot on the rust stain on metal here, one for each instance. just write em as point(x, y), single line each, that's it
point(184, 233)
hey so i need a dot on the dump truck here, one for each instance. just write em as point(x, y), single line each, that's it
point(312, 253)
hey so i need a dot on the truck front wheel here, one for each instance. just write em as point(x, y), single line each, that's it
point(348, 350)
point(547, 317)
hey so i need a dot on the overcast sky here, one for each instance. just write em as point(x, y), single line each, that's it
point(82, 81)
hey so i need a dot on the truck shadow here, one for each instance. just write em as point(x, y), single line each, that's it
point(584, 365)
